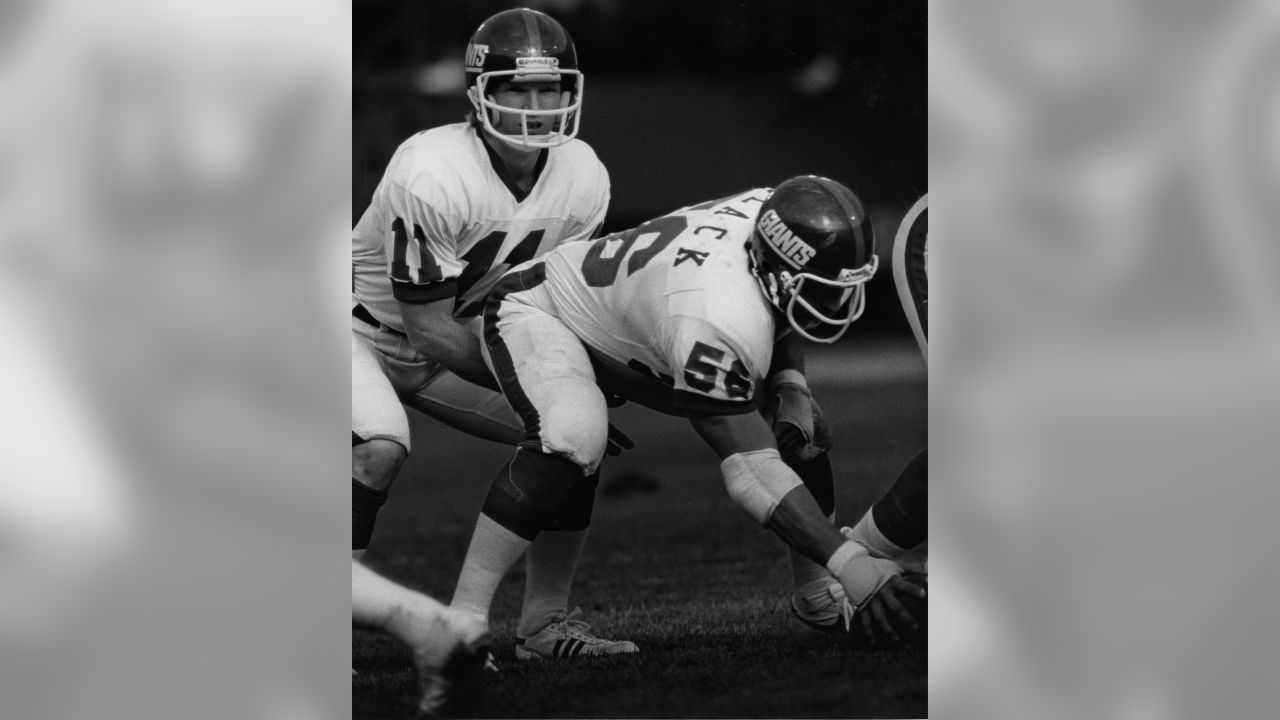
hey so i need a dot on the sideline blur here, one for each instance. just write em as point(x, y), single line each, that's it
point(1104, 360)
point(174, 218)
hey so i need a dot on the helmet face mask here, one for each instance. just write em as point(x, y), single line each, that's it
point(812, 253)
point(832, 318)
point(531, 128)
point(522, 47)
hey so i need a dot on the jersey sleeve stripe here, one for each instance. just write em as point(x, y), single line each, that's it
point(419, 294)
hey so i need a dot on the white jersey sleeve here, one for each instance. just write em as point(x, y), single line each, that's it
point(421, 250)
point(716, 373)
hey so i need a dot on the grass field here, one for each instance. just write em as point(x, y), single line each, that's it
point(672, 564)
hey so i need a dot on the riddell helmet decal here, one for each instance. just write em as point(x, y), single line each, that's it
point(537, 66)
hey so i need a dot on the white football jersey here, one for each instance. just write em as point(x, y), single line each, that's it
point(444, 223)
point(672, 302)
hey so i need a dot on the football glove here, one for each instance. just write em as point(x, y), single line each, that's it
point(618, 441)
point(793, 421)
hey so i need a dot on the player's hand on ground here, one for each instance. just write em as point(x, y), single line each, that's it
point(793, 422)
point(885, 619)
point(618, 441)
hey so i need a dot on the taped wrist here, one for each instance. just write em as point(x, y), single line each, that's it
point(758, 481)
point(860, 574)
point(365, 502)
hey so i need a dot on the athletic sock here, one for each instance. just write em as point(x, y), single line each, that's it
point(867, 534)
point(550, 562)
point(899, 521)
point(493, 551)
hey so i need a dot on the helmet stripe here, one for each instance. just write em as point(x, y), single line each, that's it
point(531, 29)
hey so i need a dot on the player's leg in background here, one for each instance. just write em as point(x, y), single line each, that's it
point(551, 560)
point(897, 526)
point(449, 646)
point(379, 436)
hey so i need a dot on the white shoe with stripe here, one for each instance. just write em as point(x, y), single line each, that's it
point(568, 636)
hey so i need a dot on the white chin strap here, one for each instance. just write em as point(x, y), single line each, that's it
point(852, 280)
point(564, 120)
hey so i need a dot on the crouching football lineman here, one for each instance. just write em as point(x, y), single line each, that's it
point(681, 314)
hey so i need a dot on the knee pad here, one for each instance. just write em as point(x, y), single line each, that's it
point(365, 503)
point(574, 512)
point(576, 425)
point(758, 481)
point(375, 462)
point(528, 490)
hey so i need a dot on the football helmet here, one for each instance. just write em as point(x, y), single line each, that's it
point(523, 45)
point(812, 251)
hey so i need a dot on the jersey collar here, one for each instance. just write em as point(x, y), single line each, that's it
point(504, 175)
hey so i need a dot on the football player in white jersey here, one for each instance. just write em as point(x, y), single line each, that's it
point(681, 314)
point(457, 206)
point(897, 526)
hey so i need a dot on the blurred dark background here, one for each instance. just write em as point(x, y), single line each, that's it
point(686, 101)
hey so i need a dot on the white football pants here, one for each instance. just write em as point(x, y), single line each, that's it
point(388, 374)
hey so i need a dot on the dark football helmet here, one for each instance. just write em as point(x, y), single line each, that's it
point(524, 45)
point(812, 251)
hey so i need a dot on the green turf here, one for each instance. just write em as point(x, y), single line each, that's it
point(673, 565)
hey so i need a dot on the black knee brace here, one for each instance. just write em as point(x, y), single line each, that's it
point(365, 502)
point(574, 512)
point(903, 513)
point(817, 477)
point(528, 491)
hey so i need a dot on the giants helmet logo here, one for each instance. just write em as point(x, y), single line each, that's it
point(795, 250)
point(475, 57)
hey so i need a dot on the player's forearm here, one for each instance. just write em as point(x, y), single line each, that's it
point(788, 360)
point(732, 434)
point(458, 350)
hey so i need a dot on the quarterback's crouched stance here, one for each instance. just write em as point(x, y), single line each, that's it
point(458, 205)
point(681, 315)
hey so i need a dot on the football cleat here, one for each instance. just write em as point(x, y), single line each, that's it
point(824, 607)
point(451, 662)
point(568, 636)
